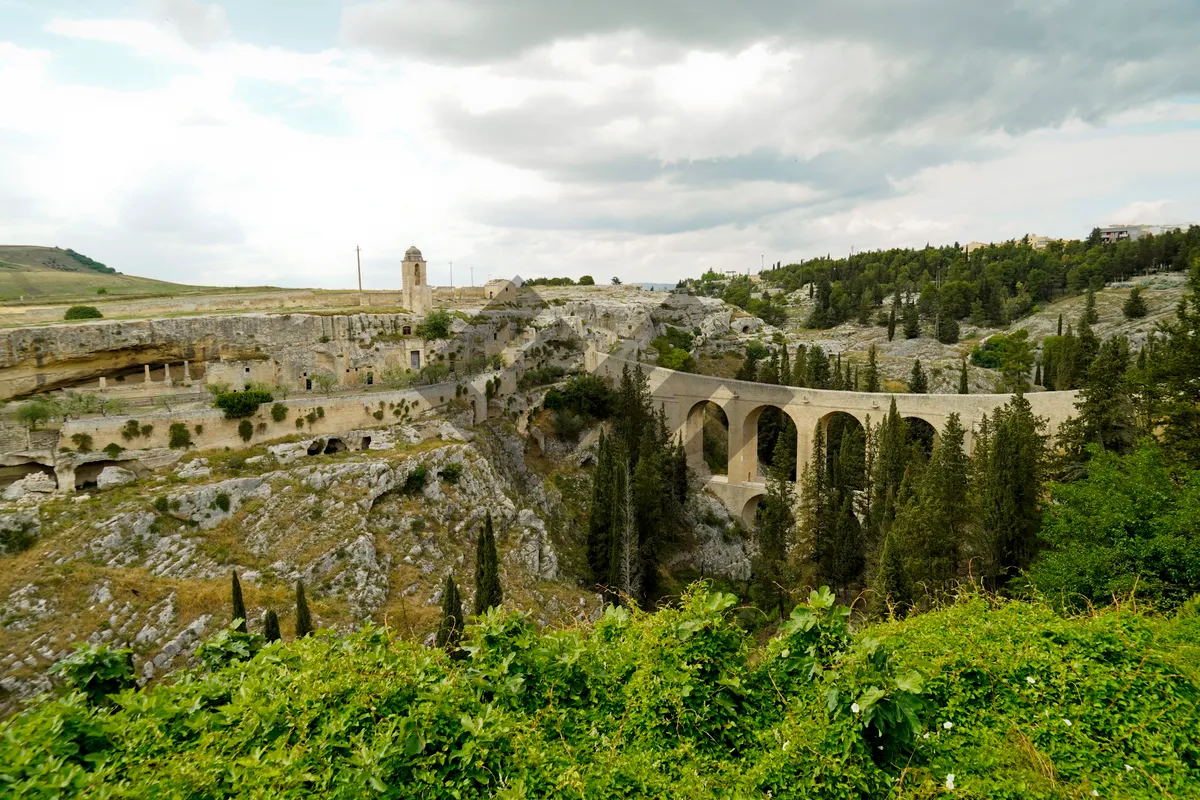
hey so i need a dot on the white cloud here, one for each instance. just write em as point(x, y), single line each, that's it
point(606, 151)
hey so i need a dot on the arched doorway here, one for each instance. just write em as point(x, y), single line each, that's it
point(706, 438)
point(920, 433)
point(845, 451)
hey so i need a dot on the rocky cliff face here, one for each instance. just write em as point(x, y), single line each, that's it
point(372, 534)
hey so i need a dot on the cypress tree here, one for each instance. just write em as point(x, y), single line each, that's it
point(912, 321)
point(846, 556)
point(964, 385)
point(891, 326)
point(679, 471)
point(271, 626)
point(450, 626)
point(1060, 325)
point(918, 383)
point(871, 373)
point(892, 586)
point(774, 527)
point(600, 522)
point(800, 366)
point(1037, 373)
point(1089, 309)
point(748, 371)
point(818, 368)
point(304, 624)
point(785, 366)
point(848, 382)
point(891, 454)
point(1105, 404)
point(1009, 487)
point(487, 568)
point(239, 606)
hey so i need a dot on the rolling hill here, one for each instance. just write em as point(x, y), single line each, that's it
point(51, 274)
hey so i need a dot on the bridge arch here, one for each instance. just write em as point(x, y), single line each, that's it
point(707, 455)
point(749, 468)
point(750, 509)
point(922, 432)
point(845, 436)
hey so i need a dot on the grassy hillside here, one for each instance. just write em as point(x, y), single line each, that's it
point(984, 699)
point(49, 274)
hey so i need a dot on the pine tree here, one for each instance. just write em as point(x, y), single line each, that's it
point(304, 624)
point(1037, 373)
point(918, 383)
point(847, 552)
point(891, 326)
point(271, 626)
point(450, 626)
point(964, 384)
point(487, 569)
point(626, 573)
point(1059, 325)
point(748, 371)
point(785, 366)
point(1172, 374)
point(1089, 310)
point(1135, 306)
point(239, 606)
point(648, 489)
point(891, 455)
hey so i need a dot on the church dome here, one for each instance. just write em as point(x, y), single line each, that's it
point(413, 254)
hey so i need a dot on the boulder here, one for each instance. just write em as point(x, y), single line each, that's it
point(114, 476)
point(35, 484)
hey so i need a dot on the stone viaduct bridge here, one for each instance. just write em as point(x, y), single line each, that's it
point(684, 396)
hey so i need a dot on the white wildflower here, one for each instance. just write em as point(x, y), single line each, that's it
point(1066, 722)
point(1030, 680)
point(950, 781)
point(947, 724)
point(926, 736)
point(854, 707)
point(1128, 768)
point(1095, 793)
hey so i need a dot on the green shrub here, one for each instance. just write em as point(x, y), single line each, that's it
point(378, 414)
point(246, 430)
point(435, 326)
point(17, 538)
point(130, 430)
point(112, 450)
point(146, 430)
point(299, 422)
point(415, 481)
point(238, 405)
point(180, 436)
point(199, 429)
point(321, 412)
point(97, 671)
point(83, 312)
point(568, 425)
point(230, 645)
point(451, 472)
point(221, 501)
point(161, 505)
point(279, 412)
point(83, 442)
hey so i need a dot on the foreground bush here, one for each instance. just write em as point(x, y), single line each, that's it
point(997, 700)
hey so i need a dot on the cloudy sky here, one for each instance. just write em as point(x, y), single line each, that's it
point(257, 141)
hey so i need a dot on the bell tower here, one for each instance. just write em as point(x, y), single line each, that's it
point(417, 295)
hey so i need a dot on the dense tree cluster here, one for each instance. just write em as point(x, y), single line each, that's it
point(639, 486)
point(935, 288)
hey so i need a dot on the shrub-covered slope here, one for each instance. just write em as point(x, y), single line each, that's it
point(982, 699)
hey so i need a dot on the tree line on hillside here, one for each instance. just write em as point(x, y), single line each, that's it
point(934, 289)
point(1112, 503)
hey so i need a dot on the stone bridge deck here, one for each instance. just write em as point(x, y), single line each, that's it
point(684, 396)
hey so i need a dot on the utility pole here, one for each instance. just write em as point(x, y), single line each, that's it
point(472, 274)
point(358, 258)
point(451, 274)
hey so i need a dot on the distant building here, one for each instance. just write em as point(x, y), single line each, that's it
point(1116, 233)
point(973, 246)
point(1039, 242)
point(500, 290)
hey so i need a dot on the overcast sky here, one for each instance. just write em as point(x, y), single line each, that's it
point(258, 141)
